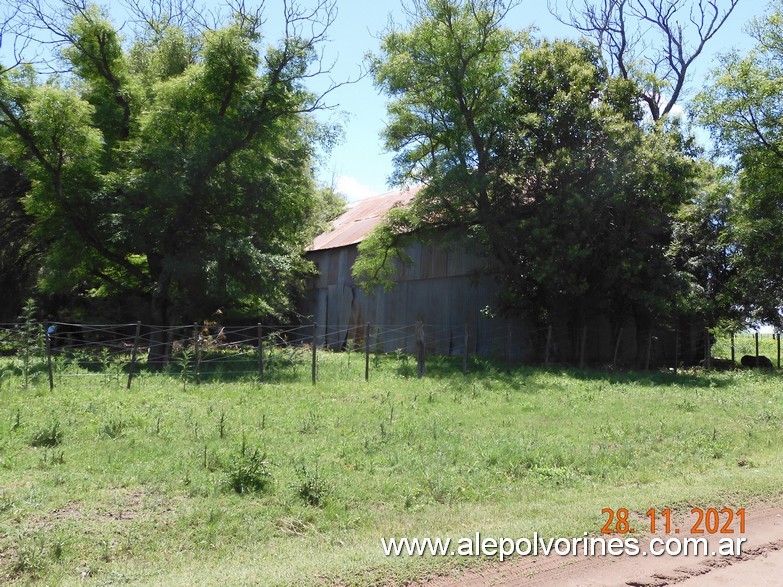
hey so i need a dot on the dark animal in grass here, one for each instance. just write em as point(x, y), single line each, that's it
point(719, 364)
point(761, 363)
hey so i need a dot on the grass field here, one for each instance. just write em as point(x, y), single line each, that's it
point(287, 483)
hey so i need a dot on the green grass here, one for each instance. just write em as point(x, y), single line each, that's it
point(283, 483)
point(745, 344)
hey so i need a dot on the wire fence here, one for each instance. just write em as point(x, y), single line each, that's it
point(206, 351)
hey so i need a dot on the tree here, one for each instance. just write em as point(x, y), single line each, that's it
point(20, 251)
point(653, 42)
point(541, 158)
point(703, 248)
point(586, 195)
point(174, 167)
point(743, 108)
point(448, 76)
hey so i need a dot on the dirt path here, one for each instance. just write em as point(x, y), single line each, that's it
point(761, 563)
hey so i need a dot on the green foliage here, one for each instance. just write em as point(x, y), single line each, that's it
point(248, 472)
point(384, 248)
point(743, 108)
point(48, 437)
point(19, 253)
point(177, 172)
point(703, 249)
point(587, 195)
point(311, 486)
point(538, 157)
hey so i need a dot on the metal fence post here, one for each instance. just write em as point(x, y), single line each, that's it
point(49, 354)
point(315, 346)
point(197, 348)
point(367, 352)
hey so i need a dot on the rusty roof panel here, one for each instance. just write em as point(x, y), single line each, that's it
point(360, 219)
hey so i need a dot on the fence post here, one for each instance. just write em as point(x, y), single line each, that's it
point(420, 347)
point(260, 353)
point(778, 350)
point(617, 348)
point(49, 354)
point(732, 348)
point(707, 349)
point(197, 348)
point(649, 350)
point(465, 352)
point(315, 346)
point(548, 342)
point(676, 350)
point(367, 352)
point(134, 352)
point(27, 326)
point(582, 348)
point(757, 349)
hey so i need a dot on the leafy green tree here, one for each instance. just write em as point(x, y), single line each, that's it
point(703, 248)
point(540, 156)
point(585, 193)
point(743, 107)
point(173, 168)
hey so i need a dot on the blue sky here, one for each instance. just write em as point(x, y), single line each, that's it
point(359, 167)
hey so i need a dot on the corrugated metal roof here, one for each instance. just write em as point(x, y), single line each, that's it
point(360, 218)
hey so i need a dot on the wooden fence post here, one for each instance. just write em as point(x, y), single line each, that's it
point(757, 349)
point(420, 347)
point(732, 348)
point(367, 352)
point(778, 350)
point(465, 352)
point(617, 348)
point(548, 342)
point(676, 350)
point(134, 352)
point(649, 350)
point(315, 346)
point(707, 349)
point(260, 353)
point(49, 354)
point(582, 348)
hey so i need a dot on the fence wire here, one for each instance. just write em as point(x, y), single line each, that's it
point(288, 352)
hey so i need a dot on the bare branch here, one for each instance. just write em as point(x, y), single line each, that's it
point(652, 41)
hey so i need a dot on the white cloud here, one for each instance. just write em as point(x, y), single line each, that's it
point(353, 189)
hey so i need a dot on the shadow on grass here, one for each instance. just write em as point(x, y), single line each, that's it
point(443, 367)
point(293, 366)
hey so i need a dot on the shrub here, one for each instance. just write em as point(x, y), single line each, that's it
point(48, 437)
point(311, 485)
point(248, 472)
